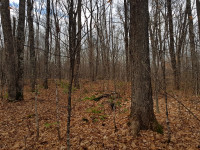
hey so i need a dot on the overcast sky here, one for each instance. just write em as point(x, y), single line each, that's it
point(16, 1)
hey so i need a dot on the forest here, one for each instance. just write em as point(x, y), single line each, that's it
point(99, 74)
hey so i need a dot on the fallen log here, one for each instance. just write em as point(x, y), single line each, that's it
point(106, 96)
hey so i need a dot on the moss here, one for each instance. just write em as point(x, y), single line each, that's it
point(103, 117)
point(5, 96)
point(157, 127)
point(94, 110)
point(94, 119)
point(93, 97)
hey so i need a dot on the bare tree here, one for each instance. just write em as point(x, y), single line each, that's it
point(198, 14)
point(76, 77)
point(46, 52)
point(9, 46)
point(20, 51)
point(126, 40)
point(32, 43)
point(72, 53)
point(180, 44)
point(91, 45)
point(155, 51)
point(195, 77)
point(57, 41)
point(142, 115)
point(171, 46)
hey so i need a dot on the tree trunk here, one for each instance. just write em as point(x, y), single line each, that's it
point(91, 45)
point(142, 115)
point(97, 41)
point(126, 40)
point(180, 47)
point(20, 52)
point(198, 14)
point(77, 65)
point(57, 42)
point(46, 52)
point(32, 43)
point(192, 49)
point(9, 46)
point(171, 46)
point(72, 53)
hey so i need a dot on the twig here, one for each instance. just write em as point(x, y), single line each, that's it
point(57, 111)
point(36, 114)
point(25, 138)
point(184, 106)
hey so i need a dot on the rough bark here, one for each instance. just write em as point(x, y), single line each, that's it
point(72, 53)
point(20, 52)
point(97, 41)
point(57, 41)
point(171, 46)
point(192, 49)
point(180, 47)
point(9, 46)
point(142, 115)
point(155, 61)
point(2, 68)
point(126, 40)
point(91, 45)
point(32, 43)
point(77, 65)
point(198, 14)
point(46, 52)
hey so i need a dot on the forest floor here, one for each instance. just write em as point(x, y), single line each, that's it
point(92, 122)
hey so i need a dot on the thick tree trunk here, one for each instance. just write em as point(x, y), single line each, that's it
point(46, 53)
point(32, 43)
point(142, 115)
point(9, 46)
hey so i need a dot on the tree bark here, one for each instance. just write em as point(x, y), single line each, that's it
point(57, 42)
point(91, 45)
point(9, 46)
point(126, 40)
point(72, 53)
point(171, 46)
point(77, 65)
point(20, 52)
point(180, 46)
point(97, 41)
point(46, 52)
point(195, 78)
point(32, 43)
point(198, 14)
point(142, 115)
